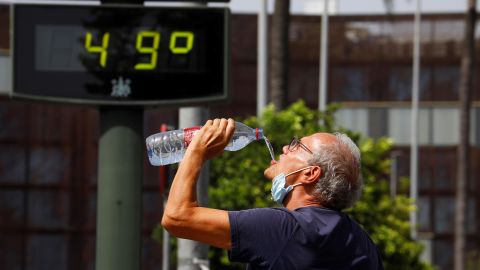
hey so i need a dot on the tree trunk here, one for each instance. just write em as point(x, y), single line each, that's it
point(463, 166)
point(279, 54)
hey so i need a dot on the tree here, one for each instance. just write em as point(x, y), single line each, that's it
point(279, 54)
point(237, 182)
point(463, 161)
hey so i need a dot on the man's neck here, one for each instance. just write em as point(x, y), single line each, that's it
point(300, 199)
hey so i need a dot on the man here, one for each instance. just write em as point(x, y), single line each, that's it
point(315, 178)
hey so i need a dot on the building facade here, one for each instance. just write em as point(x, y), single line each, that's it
point(48, 152)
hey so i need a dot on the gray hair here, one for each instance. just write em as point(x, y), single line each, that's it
point(340, 184)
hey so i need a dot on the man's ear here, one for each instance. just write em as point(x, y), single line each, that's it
point(312, 175)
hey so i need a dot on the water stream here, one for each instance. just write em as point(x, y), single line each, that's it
point(270, 148)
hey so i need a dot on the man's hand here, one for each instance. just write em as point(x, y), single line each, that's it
point(212, 138)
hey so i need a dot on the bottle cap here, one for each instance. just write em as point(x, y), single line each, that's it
point(258, 133)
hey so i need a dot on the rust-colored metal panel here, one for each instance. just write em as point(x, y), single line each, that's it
point(4, 28)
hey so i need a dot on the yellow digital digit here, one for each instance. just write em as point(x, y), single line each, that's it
point(102, 49)
point(152, 50)
point(174, 48)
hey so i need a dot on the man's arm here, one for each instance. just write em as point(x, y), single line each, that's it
point(182, 216)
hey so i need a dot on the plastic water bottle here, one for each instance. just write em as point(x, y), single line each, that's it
point(169, 147)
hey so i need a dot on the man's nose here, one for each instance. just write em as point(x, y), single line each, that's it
point(285, 149)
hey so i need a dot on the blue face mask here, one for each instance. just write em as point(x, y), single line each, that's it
point(279, 192)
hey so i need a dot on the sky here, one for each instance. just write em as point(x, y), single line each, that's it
point(357, 6)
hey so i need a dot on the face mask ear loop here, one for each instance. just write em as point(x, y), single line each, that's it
point(297, 184)
point(299, 170)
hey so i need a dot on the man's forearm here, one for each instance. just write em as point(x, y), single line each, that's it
point(182, 197)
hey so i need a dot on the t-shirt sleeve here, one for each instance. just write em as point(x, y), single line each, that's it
point(259, 235)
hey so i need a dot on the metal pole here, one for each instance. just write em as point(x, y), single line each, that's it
point(262, 55)
point(193, 255)
point(119, 210)
point(322, 97)
point(414, 122)
point(164, 177)
point(120, 173)
point(165, 246)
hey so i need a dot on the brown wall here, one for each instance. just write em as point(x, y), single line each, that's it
point(4, 27)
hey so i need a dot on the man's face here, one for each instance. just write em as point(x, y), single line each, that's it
point(298, 156)
point(291, 159)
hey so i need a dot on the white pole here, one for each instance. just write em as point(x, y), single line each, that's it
point(165, 244)
point(414, 122)
point(262, 57)
point(193, 255)
point(322, 96)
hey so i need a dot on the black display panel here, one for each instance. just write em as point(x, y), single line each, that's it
point(120, 55)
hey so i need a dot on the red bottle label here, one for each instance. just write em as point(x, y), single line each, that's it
point(188, 134)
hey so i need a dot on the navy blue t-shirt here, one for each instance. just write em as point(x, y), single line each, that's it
point(306, 238)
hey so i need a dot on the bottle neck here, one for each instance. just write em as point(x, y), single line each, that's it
point(188, 134)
